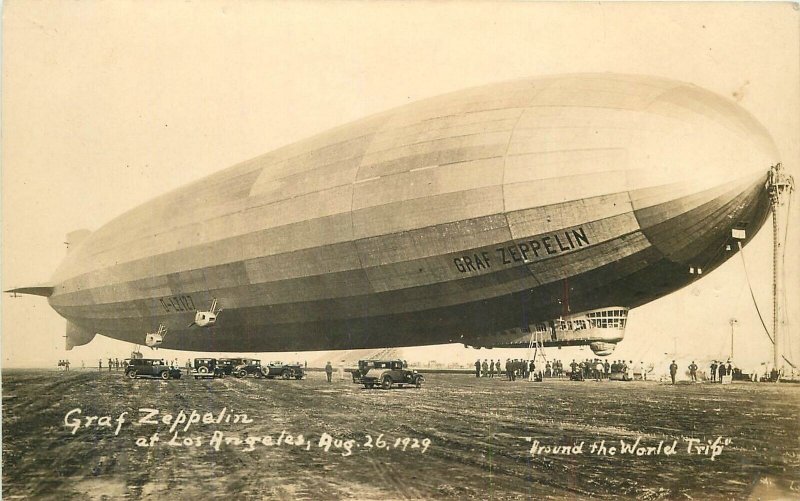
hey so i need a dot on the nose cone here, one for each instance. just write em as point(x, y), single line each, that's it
point(701, 164)
point(696, 230)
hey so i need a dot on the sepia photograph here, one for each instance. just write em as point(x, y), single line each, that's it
point(400, 250)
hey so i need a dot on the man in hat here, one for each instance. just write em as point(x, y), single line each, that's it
point(673, 370)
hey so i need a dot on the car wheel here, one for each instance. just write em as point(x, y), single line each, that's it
point(387, 383)
point(131, 374)
point(164, 375)
point(298, 377)
point(258, 374)
point(202, 369)
point(418, 382)
point(241, 373)
point(286, 374)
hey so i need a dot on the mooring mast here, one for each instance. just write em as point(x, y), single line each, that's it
point(779, 186)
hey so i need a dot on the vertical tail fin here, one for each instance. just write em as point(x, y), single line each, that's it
point(74, 238)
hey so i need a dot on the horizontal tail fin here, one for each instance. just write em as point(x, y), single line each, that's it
point(36, 290)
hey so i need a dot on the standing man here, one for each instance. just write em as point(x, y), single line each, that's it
point(491, 369)
point(673, 370)
point(478, 368)
point(713, 370)
point(100, 364)
point(693, 371)
point(329, 371)
point(485, 368)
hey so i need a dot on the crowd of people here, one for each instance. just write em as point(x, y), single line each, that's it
point(586, 369)
point(518, 368)
point(719, 370)
point(111, 364)
point(598, 369)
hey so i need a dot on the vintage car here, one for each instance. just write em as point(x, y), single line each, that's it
point(150, 367)
point(248, 366)
point(229, 364)
point(282, 370)
point(206, 368)
point(738, 375)
point(386, 373)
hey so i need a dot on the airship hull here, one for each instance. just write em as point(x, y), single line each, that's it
point(447, 220)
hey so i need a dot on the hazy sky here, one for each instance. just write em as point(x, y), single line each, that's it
point(107, 104)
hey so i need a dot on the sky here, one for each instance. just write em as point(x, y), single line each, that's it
point(106, 105)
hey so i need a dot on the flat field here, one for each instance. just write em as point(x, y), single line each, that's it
point(457, 437)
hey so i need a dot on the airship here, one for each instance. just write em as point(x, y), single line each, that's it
point(537, 211)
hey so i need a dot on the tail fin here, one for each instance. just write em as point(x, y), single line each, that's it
point(74, 238)
point(45, 290)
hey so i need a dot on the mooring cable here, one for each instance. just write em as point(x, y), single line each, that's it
point(755, 303)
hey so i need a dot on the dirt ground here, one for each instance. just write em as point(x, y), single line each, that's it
point(457, 437)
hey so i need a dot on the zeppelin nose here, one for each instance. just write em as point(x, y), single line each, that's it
point(699, 165)
point(698, 230)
